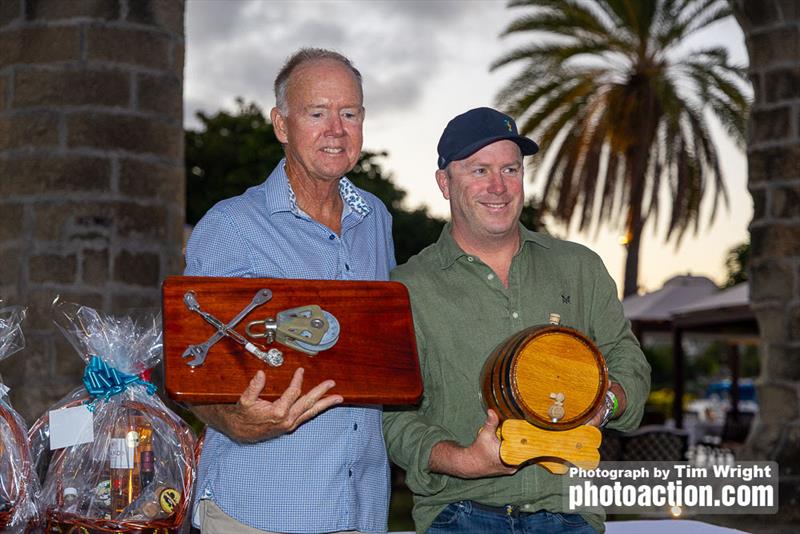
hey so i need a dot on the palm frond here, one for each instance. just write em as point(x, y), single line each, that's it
point(706, 14)
point(656, 173)
point(733, 120)
point(554, 56)
point(680, 186)
point(612, 184)
point(564, 120)
point(590, 169)
point(723, 95)
point(574, 21)
point(686, 18)
point(522, 90)
point(708, 153)
point(559, 170)
point(560, 97)
point(635, 16)
point(563, 14)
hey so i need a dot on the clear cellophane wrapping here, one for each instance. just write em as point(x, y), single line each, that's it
point(19, 486)
point(137, 473)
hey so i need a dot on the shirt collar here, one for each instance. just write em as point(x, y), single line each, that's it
point(281, 197)
point(449, 251)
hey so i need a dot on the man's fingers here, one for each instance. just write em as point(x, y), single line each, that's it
point(319, 390)
point(318, 407)
point(308, 402)
point(292, 408)
point(254, 389)
point(297, 380)
point(492, 421)
point(596, 420)
point(282, 406)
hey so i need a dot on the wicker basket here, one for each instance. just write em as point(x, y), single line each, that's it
point(57, 521)
point(18, 491)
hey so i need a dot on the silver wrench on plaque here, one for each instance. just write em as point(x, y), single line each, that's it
point(199, 352)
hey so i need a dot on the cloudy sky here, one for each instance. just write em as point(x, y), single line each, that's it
point(424, 61)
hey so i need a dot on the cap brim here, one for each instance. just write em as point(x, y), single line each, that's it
point(527, 146)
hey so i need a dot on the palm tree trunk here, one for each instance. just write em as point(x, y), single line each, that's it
point(636, 164)
point(632, 259)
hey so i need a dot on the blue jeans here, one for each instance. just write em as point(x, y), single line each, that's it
point(464, 518)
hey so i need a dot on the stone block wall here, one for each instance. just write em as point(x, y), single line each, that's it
point(772, 31)
point(91, 169)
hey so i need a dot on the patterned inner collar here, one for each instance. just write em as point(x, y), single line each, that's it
point(349, 193)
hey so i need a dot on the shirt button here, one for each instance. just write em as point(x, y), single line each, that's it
point(515, 315)
point(349, 472)
point(355, 426)
point(490, 276)
point(346, 266)
point(331, 237)
point(470, 259)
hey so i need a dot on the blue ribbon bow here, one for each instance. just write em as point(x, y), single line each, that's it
point(103, 381)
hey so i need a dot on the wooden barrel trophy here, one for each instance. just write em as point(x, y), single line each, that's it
point(545, 383)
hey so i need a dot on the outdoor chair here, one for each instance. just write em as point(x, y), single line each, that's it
point(736, 427)
point(655, 443)
point(611, 446)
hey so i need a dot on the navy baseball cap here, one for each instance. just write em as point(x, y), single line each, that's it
point(473, 130)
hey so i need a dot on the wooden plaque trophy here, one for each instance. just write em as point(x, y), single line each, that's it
point(545, 383)
point(219, 331)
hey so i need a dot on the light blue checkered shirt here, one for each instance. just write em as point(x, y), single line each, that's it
point(330, 474)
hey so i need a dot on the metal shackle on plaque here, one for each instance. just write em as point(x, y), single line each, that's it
point(308, 329)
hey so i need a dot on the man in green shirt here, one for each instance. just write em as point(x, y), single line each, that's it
point(486, 278)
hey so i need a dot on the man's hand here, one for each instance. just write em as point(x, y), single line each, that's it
point(480, 460)
point(251, 419)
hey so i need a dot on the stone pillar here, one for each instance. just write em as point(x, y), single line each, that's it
point(91, 169)
point(772, 31)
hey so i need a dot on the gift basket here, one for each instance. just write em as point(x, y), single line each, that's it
point(134, 473)
point(18, 483)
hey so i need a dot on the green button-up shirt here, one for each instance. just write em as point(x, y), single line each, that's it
point(462, 312)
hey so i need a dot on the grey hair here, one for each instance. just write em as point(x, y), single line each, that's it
point(305, 55)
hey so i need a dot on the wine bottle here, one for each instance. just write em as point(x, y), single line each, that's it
point(146, 456)
point(124, 462)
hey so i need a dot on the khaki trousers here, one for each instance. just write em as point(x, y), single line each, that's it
point(215, 521)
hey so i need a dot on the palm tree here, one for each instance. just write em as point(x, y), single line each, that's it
point(622, 113)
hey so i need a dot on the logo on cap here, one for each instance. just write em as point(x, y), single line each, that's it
point(508, 125)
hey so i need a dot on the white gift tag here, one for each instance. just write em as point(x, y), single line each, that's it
point(71, 426)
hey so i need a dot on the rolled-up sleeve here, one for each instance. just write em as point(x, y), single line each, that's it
point(625, 360)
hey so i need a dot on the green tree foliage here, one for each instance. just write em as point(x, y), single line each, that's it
point(231, 152)
point(234, 151)
point(411, 230)
point(623, 113)
point(736, 264)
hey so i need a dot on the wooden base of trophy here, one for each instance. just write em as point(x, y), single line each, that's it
point(521, 442)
